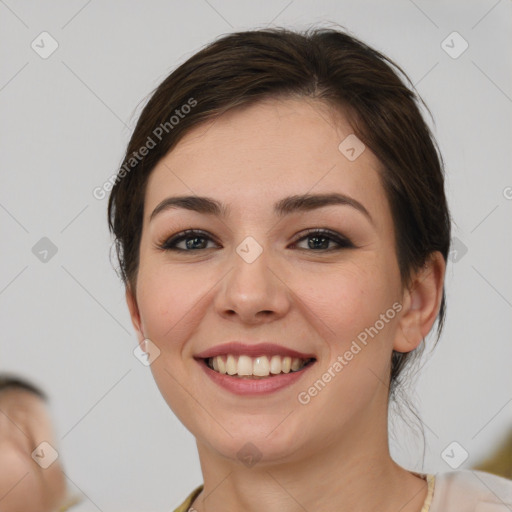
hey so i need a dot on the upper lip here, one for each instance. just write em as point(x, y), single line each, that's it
point(238, 348)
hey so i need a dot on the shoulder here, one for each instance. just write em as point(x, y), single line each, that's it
point(186, 505)
point(471, 491)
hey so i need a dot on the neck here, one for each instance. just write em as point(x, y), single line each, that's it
point(353, 473)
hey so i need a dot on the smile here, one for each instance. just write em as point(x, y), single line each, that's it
point(260, 367)
point(254, 369)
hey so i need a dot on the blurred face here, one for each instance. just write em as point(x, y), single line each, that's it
point(269, 283)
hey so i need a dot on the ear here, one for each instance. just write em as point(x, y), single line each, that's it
point(421, 303)
point(133, 307)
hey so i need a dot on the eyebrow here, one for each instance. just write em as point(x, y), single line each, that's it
point(286, 206)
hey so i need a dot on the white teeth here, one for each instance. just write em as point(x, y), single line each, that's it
point(244, 365)
point(221, 364)
point(261, 366)
point(275, 365)
point(231, 365)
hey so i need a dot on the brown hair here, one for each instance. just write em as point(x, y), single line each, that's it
point(13, 382)
point(325, 64)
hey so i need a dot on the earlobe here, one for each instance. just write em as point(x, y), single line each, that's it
point(421, 304)
point(133, 308)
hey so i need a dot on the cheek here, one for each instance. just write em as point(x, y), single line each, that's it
point(169, 300)
point(345, 307)
point(345, 299)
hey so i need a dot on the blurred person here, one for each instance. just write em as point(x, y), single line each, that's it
point(25, 422)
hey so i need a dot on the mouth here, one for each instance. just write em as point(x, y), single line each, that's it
point(254, 369)
point(260, 367)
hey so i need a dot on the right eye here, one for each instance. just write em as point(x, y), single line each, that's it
point(190, 240)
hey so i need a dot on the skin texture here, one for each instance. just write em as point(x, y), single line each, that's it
point(25, 486)
point(331, 454)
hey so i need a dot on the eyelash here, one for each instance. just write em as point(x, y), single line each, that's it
point(169, 244)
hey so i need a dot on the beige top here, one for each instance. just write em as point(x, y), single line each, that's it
point(456, 491)
point(470, 491)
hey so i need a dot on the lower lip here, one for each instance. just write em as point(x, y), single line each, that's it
point(241, 386)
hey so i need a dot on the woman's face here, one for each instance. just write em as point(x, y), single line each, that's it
point(257, 273)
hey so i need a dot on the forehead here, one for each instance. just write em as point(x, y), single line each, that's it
point(254, 156)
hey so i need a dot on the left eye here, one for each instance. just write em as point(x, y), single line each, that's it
point(320, 239)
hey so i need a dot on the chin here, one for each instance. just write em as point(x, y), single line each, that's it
point(255, 444)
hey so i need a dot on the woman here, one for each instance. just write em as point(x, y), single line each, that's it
point(282, 232)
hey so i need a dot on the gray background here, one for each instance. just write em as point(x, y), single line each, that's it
point(64, 123)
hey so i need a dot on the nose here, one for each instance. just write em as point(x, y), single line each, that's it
point(253, 292)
